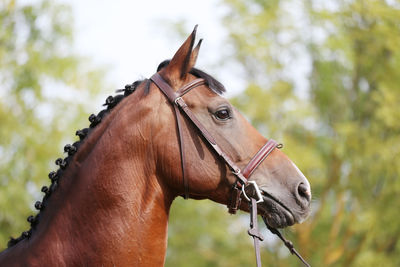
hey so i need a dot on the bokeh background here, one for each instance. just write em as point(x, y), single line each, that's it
point(323, 77)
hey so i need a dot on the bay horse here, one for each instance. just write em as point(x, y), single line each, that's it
point(168, 136)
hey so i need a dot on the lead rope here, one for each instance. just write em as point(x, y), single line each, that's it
point(257, 237)
point(253, 231)
point(287, 243)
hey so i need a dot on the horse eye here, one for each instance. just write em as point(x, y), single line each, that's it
point(222, 114)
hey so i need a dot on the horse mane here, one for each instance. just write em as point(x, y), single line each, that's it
point(71, 149)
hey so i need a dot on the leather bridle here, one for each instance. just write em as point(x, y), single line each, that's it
point(242, 185)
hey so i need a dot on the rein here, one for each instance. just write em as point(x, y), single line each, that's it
point(242, 185)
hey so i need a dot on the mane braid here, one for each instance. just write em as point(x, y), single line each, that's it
point(54, 176)
point(94, 120)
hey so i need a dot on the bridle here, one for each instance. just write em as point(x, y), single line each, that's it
point(249, 189)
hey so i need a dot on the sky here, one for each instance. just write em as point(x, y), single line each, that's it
point(130, 38)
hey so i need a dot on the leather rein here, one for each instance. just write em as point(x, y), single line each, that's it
point(242, 185)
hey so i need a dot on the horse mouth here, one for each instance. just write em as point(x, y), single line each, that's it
point(276, 214)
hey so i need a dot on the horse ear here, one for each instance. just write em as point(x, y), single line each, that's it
point(183, 61)
point(194, 54)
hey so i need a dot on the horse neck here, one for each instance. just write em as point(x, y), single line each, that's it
point(110, 206)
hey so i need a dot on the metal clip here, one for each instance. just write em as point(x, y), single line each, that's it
point(236, 172)
point(177, 99)
point(258, 192)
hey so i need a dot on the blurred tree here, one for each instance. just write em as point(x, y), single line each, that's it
point(40, 81)
point(202, 233)
point(324, 78)
point(341, 126)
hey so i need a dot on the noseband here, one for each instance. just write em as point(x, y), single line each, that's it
point(242, 185)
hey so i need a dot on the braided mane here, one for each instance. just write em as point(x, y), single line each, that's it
point(71, 149)
point(94, 120)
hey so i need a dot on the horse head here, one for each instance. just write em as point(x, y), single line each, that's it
point(285, 190)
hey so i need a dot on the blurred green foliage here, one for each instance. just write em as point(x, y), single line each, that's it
point(341, 126)
point(40, 85)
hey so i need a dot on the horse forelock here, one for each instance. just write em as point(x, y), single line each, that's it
point(216, 86)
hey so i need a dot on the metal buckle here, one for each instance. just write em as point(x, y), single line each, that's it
point(237, 172)
point(176, 100)
point(258, 192)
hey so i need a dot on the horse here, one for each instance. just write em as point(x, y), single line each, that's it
point(157, 139)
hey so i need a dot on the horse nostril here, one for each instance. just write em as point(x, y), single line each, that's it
point(304, 191)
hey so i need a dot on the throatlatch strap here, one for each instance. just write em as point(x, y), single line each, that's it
point(182, 152)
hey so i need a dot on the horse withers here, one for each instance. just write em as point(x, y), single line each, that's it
point(168, 136)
